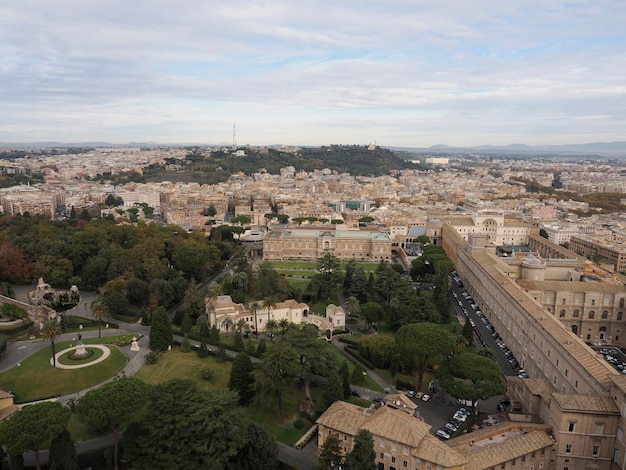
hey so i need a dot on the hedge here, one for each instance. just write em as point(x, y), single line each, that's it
point(14, 311)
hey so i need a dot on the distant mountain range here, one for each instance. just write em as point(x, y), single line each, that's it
point(609, 149)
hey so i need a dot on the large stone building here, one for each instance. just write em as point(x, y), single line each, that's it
point(403, 441)
point(532, 305)
point(310, 244)
point(225, 314)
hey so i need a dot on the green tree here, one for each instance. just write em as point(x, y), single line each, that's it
point(50, 331)
point(261, 348)
point(344, 373)
point(373, 312)
point(255, 307)
point(278, 367)
point(328, 272)
point(242, 378)
point(269, 303)
point(476, 377)
point(62, 452)
point(186, 428)
point(161, 336)
point(543, 233)
point(363, 455)
point(330, 455)
point(358, 376)
point(186, 324)
point(185, 346)
point(116, 303)
point(112, 407)
point(333, 389)
point(99, 310)
point(32, 427)
point(419, 343)
point(260, 451)
point(352, 306)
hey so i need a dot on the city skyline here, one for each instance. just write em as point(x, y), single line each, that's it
point(401, 73)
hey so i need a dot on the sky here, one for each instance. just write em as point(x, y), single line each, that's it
point(405, 73)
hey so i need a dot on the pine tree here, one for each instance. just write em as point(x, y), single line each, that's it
point(363, 455)
point(186, 324)
point(345, 379)
point(238, 342)
point(185, 345)
point(161, 336)
point(330, 456)
point(62, 453)
point(242, 378)
point(261, 348)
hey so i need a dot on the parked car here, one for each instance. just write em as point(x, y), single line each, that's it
point(378, 399)
point(460, 416)
point(451, 426)
point(425, 397)
point(410, 393)
point(443, 433)
point(419, 395)
point(356, 393)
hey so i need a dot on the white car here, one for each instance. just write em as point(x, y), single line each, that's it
point(443, 433)
point(459, 416)
point(410, 394)
point(426, 397)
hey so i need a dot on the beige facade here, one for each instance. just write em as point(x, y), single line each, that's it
point(310, 244)
point(224, 314)
point(612, 253)
point(403, 441)
point(570, 383)
point(500, 230)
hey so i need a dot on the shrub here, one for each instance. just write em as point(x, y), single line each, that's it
point(221, 355)
point(206, 373)
point(14, 311)
point(203, 351)
point(152, 357)
point(299, 423)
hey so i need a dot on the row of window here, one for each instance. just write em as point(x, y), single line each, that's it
point(569, 448)
point(591, 315)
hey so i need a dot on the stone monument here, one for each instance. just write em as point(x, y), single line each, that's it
point(134, 346)
point(80, 348)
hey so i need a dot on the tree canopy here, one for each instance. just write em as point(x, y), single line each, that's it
point(419, 343)
point(32, 427)
point(186, 428)
point(112, 406)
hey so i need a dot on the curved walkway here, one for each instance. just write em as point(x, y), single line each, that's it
point(106, 352)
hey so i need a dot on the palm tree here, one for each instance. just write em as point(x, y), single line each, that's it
point(461, 343)
point(242, 325)
point(269, 303)
point(99, 310)
point(212, 291)
point(50, 332)
point(283, 324)
point(228, 323)
point(254, 308)
point(271, 327)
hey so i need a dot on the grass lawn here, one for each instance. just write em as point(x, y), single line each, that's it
point(36, 379)
point(178, 365)
point(296, 273)
point(299, 284)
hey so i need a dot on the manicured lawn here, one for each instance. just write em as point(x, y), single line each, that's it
point(299, 284)
point(36, 379)
point(178, 365)
point(296, 273)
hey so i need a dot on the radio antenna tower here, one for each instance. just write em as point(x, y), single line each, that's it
point(234, 137)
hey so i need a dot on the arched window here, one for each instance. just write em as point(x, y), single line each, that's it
point(562, 314)
point(621, 303)
point(602, 332)
point(575, 329)
point(619, 315)
point(605, 314)
point(575, 313)
point(592, 314)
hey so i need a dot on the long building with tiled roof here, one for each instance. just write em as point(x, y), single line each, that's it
point(546, 311)
point(402, 441)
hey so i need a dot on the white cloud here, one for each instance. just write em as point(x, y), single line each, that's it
point(404, 72)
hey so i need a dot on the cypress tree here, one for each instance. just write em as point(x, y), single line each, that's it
point(161, 336)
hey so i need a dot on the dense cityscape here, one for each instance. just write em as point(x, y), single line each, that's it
point(439, 310)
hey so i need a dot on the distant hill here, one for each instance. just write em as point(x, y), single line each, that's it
point(607, 149)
